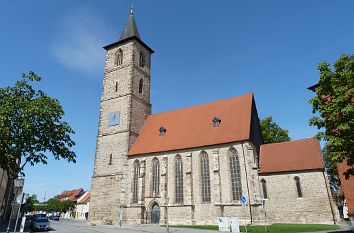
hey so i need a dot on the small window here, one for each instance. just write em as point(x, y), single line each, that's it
point(142, 60)
point(216, 122)
point(110, 159)
point(162, 131)
point(116, 86)
point(141, 84)
point(264, 188)
point(119, 57)
point(298, 186)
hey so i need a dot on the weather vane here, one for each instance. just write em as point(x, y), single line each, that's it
point(131, 9)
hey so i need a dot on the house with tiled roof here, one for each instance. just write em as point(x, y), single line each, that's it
point(71, 195)
point(82, 206)
point(198, 163)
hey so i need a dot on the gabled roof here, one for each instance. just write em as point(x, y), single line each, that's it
point(193, 126)
point(299, 155)
point(71, 195)
point(130, 30)
point(347, 186)
point(84, 198)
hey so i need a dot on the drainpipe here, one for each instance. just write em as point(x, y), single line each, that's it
point(248, 190)
point(329, 198)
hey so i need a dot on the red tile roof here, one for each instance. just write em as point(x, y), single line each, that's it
point(348, 187)
point(71, 195)
point(299, 155)
point(192, 127)
point(85, 198)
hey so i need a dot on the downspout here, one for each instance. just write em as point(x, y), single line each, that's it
point(248, 190)
point(329, 198)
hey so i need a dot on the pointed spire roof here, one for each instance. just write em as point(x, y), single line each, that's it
point(130, 30)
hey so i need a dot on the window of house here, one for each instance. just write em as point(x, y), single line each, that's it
point(119, 57)
point(136, 181)
point(298, 186)
point(205, 177)
point(179, 179)
point(110, 159)
point(155, 177)
point(141, 84)
point(216, 122)
point(235, 174)
point(264, 188)
point(142, 60)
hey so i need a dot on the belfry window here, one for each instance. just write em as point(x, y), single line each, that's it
point(142, 60)
point(162, 131)
point(141, 84)
point(264, 188)
point(216, 122)
point(179, 179)
point(205, 177)
point(119, 57)
point(155, 177)
point(235, 174)
point(135, 181)
point(298, 186)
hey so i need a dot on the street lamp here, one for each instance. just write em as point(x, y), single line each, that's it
point(18, 185)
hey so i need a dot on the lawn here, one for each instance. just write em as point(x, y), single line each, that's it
point(274, 228)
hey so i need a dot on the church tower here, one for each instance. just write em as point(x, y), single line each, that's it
point(125, 105)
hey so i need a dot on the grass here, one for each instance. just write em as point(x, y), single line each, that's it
point(274, 228)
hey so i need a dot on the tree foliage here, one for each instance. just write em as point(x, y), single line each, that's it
point(31, 125)
point(333, 107)
point(55, 205)
point(30, 203)
point(272, 132)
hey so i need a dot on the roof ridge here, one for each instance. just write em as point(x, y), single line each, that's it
point(197, 105)
point(291, 141)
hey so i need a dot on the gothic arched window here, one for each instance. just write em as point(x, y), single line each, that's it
point(179, 179)
point(264, 188)
point(142, 60)
point(141, 84)
point(298, 186)
point(155, 177)
point(205, 176)
point(235, 174)
point(119, 57)
point(136, 173)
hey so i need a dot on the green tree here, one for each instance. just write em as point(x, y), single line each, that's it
point(272, 132)
point(333, 107)
point(30, 203)
point(66, 205)
point(31, 125)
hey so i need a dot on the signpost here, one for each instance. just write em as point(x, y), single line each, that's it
point(244, 204)
point(167, 201)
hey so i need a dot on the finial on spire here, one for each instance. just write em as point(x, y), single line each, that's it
point(132, 9)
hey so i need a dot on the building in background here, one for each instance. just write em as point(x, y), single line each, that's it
point(6, 196)
point(348, 190)
point(82, 206)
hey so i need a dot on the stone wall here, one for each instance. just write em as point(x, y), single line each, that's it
point(283, 204)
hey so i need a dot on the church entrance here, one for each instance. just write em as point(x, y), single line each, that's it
point(155, 214)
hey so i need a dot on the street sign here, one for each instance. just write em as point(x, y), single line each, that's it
point(243, 200)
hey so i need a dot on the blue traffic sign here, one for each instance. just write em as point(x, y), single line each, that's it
point(243, 199)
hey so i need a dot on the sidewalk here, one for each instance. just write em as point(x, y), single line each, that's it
point(3, 228)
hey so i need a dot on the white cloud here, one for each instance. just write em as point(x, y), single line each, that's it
point(79, 40)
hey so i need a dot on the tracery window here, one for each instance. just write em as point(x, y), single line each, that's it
point(264, 188)
point(142, 60)
point(235, 174)
point(205, 176)
point(179, 179)
point(119, 57)
point(298, 186)
point(136, 174)
point(141, 84)
point(155, 177)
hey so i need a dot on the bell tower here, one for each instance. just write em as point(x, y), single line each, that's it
point(125, 105)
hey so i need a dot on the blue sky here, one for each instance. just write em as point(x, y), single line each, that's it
point(205, 51)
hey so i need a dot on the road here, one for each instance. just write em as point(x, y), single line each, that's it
point(75, 226)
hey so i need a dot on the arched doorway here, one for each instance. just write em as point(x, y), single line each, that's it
point(155, 213)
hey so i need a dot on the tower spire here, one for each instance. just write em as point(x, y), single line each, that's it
point(130, 30)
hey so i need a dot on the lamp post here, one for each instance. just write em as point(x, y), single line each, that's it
point(167, 225)
point(18, 185)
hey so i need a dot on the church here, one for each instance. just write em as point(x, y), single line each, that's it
point(195, 164)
